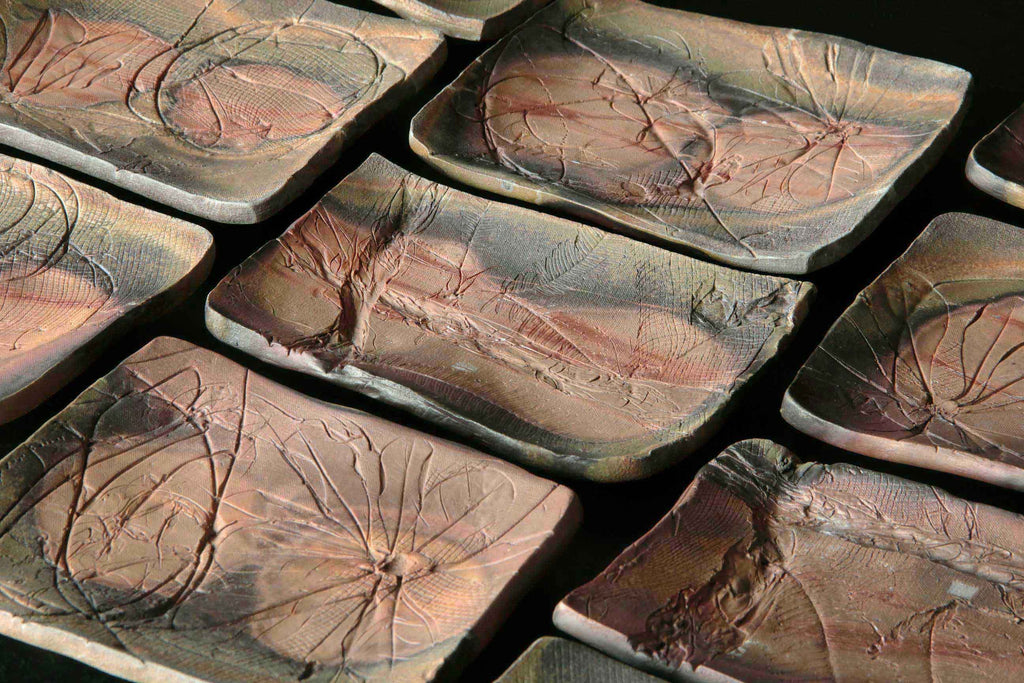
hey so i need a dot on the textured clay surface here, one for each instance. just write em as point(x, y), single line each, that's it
point(185, 519)
point(996, 164)
point(557, 660)
point(927, 365)
point(222, 108)
point(558, 344)
point(77, 266)
point(469, 19)
point(771, 149)
point(772, 570)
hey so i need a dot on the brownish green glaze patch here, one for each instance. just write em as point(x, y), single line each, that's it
point(557, 344)
point(776, 150)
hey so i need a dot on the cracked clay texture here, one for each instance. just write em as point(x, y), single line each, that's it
point(775, 150)
point(468, 19)
point(772, 570)
point(185, 519)
point(996, 164)
point(926, 367)
point(556, 344)
point(222, 108)
point(77, 267)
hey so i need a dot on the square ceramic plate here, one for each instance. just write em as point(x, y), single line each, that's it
point(77, 267)
point(556, 344)
point(771, 149)
point(769, 569)
point(226, 109)
point(187, 520)
point(926, 367)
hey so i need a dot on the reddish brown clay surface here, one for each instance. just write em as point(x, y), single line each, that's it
point(927, 366)
point(564, 346)
point(772, 570)
point(469, 19)
point(772, 149)
point(77, 266)
point(996, 164)
point(185, 519)
point(222, 108)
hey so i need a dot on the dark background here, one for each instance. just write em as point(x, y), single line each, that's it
point(983, 37)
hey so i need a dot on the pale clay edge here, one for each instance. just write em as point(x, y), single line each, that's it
point(611, 642)
point(992, 184)
point(947, 460)
point(88, 652)
point(462, 26)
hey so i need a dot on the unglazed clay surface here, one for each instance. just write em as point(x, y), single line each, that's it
point(562, 345)
point(469, 19)
point(927, 366)
point(768, 569)
point(185, 519)
point(996, 164)
point(776, 150)
point(76, 267)
point(222, 108)
point(557, 660)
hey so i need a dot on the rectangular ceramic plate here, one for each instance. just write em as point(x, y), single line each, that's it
point(927, 366)
point(469, 19)
point(772, 149)
point(222, 108)
point(78, 266)
point(768, 569)
point(187, 520)
point(996, 164)
point(557, 344)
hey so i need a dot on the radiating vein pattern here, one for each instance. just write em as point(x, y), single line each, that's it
point(563, 338)
point(927, 365)
point(755, 146)
point(73, 262)
point(883, 578)
point(166, 98)
point(188, 513)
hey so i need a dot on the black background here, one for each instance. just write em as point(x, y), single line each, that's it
point(983, 37)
